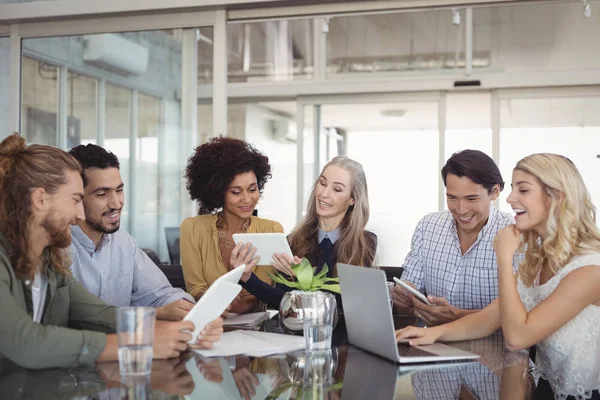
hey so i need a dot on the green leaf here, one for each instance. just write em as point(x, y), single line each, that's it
point(305, 275)
point(332, 288)
point(330, 280)
point(316, 285)
point(323, 272)
point(279, 279)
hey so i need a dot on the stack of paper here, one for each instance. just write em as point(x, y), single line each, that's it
point(248, 321)
point(254, 344)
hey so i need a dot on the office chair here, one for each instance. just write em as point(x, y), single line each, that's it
point(172, 236)
point(391, 272)
point(174, 274)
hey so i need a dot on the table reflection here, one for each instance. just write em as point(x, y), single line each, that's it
point(344, 373)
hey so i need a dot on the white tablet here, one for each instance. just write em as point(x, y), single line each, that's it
point(414, 291)
point(215, 300)
point(266, 244)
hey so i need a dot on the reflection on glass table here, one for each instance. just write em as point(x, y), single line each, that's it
point(344, 373)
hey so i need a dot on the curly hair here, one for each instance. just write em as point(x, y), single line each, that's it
point(571, 221)
point(93, 156)
point(214, 165)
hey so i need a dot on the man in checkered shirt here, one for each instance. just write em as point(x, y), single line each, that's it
point(452, 258)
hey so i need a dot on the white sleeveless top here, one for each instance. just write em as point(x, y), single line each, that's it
point(569, 359)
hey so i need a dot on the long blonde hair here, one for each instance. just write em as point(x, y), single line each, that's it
point(571, 224)
point(353, 247)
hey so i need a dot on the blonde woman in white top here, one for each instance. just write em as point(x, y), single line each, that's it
point(553, 301)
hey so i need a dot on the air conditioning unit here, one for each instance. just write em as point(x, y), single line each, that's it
point(284, 130)
point(115, 53)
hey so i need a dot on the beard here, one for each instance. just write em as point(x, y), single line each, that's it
point(96, 223)
point(58, 230)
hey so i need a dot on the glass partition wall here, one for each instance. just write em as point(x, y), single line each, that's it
point(123, 91)
point(282, 76)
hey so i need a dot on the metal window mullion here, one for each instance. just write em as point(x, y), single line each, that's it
point(189, 110)
point(220, 74)
point(300, 160)
point(101, 112)
point(161, 168)
point(442, 107)
point(133, 115)
point(62, 114)
point(317, 138)
point(320, 29)
point(15, 78)
point(495, 110)
point(469, 42)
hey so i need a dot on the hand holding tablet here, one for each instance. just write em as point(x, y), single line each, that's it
point(267, 244)
point(214, 301)
point(413, 291)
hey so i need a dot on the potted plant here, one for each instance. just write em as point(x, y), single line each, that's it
point(305, 282)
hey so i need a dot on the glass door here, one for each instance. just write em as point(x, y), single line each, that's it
point(396, 139)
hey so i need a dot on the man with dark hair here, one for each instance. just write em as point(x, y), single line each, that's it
point(106, 259)
point(452, 257)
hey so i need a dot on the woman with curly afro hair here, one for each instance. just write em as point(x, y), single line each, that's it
point(226, 177)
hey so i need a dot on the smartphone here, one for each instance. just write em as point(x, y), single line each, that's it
point(414, 291)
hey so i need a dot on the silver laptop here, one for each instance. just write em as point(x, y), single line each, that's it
point(370, 323)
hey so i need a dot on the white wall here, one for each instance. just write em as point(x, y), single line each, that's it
point(279, 197)
point(4, 87)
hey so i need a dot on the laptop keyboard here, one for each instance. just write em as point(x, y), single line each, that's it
point(408, 351)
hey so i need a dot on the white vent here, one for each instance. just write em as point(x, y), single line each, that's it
point(115, 53)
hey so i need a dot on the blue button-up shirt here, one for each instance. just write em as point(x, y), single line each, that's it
point(119, 272)
point(436, 265)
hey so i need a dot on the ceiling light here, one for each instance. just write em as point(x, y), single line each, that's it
point(587, 10)
point(395, 113)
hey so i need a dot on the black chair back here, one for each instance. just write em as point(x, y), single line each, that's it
point(172, 236)
point(391, 272)
point(174, 274)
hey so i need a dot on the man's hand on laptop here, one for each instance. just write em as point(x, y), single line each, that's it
point(174, 311)
point(417, 336)
point(440, 312)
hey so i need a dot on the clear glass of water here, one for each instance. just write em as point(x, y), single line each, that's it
point(135, 334)
point(318, 309)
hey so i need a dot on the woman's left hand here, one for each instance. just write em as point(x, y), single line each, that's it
point(507, 241)
point(244, 254)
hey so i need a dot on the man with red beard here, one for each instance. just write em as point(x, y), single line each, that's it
point(48, 319)
point(106, 260)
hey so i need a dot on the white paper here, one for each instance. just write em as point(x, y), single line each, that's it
point(253, 343)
